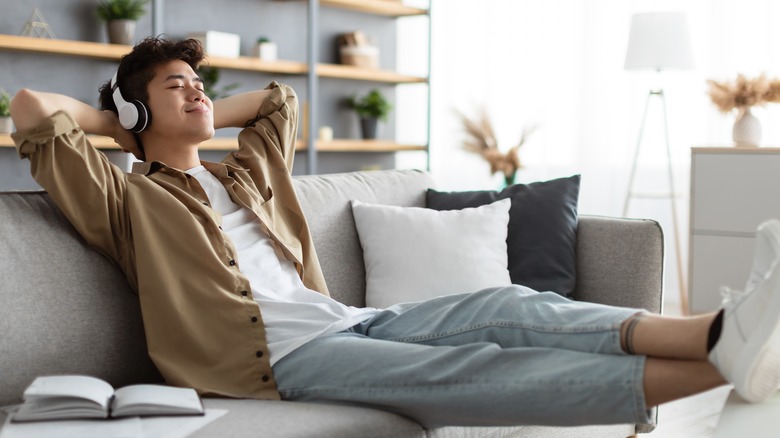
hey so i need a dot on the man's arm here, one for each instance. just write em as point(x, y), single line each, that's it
point(270, 119)
point(236, 111)
point(88, 189)
point(30, 108)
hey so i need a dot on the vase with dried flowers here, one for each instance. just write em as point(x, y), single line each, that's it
point(481, 139)
point(742, 94)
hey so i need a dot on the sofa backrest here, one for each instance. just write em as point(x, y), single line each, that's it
point(326, 203)
point(65, 309)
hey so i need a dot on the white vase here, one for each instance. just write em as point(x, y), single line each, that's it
point(265, 51)
point(747, 130)
point(6, 125)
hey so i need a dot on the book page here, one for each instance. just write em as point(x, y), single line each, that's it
point(48, 395)
point(155, 400)
point(90, 388)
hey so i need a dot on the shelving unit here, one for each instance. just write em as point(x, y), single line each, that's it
point(389, 8)
point(311, 69)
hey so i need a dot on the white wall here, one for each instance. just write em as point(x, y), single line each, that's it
point(560, 63)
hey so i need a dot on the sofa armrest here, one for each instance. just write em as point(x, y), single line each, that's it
point(620, 262)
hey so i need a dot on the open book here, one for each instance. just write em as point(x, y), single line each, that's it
point(66, 397)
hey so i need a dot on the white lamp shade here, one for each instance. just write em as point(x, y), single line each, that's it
point(658, 41)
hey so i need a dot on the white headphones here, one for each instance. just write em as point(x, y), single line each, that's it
point(133, 116)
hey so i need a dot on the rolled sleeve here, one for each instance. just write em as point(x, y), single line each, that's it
point(29, 140)
point(87, 188)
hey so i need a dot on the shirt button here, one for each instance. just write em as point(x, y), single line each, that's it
point(254, 319)
point(259, 354)
point(266, 378)
point(232, 263)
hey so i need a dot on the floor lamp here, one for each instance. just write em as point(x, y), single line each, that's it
point(659, 41)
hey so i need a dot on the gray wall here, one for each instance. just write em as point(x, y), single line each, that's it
point(284, 22)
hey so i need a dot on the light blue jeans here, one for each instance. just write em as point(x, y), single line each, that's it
point(501, 356)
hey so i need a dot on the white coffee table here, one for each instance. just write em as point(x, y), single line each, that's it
point(741, 419)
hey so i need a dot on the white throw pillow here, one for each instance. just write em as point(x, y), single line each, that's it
point(414, 254)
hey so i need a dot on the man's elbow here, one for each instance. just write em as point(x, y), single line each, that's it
point(26, 109)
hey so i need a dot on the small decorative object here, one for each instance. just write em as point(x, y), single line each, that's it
point(265, 49)
point(481, 139)
point(226, 45)
point(6, 125)
point(325, 134)
point(37, 26)
point(120, 16)
point(742, 95)
point(355, 49)
point(370, 108)
point(210, 77)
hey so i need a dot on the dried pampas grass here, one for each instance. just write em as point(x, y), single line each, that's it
point(481, 139)
point(743, 92)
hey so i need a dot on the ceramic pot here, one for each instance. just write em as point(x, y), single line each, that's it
point(6, 125)
point(121, 32)
point(265, 51)
point(747, 130)
point(368, 127)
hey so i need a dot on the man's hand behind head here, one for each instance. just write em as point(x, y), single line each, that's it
point(124, 138)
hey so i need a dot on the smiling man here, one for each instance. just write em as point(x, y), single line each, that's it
point(234, 302)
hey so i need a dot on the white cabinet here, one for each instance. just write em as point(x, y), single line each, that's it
point(733, 190)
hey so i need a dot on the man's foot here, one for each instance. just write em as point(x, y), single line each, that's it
point(748, 351)
point(766, 253)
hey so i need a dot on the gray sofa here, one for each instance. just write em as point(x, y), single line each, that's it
point(66, 309)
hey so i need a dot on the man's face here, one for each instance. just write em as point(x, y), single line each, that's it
point(180, 110)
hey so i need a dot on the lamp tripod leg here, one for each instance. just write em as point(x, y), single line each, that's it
point(636, 157)
point(678, 251)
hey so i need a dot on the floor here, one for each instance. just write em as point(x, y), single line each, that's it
point(695, 416)
point(692, 417)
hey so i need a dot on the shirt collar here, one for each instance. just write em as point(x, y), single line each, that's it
point(218, 169)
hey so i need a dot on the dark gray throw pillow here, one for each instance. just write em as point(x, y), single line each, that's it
point(542, 229)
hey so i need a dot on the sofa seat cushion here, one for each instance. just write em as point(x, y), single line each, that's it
point(282, 419)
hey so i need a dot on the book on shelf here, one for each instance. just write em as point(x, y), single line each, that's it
point(83, 397)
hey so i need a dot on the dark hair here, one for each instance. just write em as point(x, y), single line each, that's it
point(136, 68)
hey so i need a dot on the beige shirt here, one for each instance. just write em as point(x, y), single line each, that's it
point(203, 328)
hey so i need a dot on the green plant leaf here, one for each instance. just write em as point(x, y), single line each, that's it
point(372, 105)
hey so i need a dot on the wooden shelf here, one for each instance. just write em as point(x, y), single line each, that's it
point(366, 74)
point(114, 52)
point(390, 8)
point(256, 64)
point(230, 143)
point(351, 145)
point(101, 142)
point(63, 47)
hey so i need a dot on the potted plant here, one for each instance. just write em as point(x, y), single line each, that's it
point(370, 108)
point(265, 49)
point(120, 16)
point(6, 126)
point(210, 77)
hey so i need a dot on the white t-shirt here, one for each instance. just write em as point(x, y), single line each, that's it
point(293, 314)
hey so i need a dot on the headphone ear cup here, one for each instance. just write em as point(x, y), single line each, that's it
point(143, 117)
